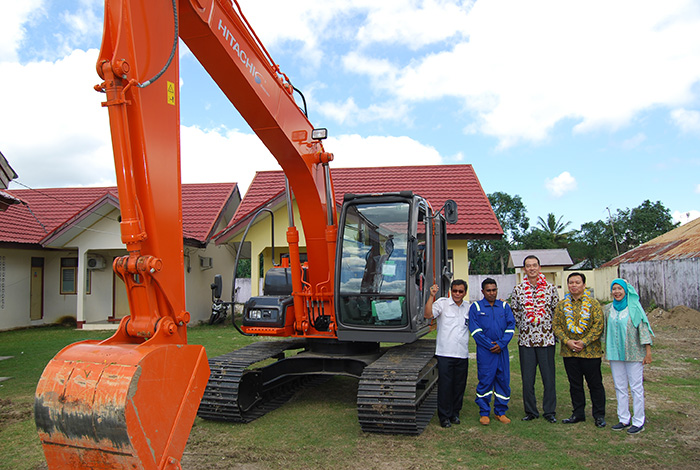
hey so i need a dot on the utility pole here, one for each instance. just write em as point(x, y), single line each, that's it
point(613, 232)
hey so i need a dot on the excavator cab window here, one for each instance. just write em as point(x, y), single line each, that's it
point(372, 276)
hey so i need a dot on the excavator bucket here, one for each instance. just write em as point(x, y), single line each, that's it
point(114, 406)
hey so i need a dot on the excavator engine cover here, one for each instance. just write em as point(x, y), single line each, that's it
point(102, 406)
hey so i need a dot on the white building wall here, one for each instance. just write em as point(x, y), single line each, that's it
point(15, 269)
point(102, 238)
point(198, 280)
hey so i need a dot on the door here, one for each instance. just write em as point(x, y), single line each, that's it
point(36, 290)
point(120, 301)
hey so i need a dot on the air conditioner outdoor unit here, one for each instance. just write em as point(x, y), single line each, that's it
point(96, 262)
point(205, 262)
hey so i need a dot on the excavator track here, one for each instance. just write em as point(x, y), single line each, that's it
point(397, 394)
point(240, 395)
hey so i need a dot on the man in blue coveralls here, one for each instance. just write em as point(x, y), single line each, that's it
point(492, 326)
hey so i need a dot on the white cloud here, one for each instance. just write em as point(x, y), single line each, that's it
point(414, 24)
point(310, 23)
point(84, 22)
point(340, 112)
point(546, 61)
point(64, 139)
point(687, 120)
point(348, 112)
point(352, 151)
point(12, 30)
point(697, 189)
point(304, 25)
point(685, 216)
point(220, 155)
point(560, 185)
point(59, 134)
point(634, 142)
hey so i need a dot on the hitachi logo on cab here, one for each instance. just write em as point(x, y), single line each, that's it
point(228, 36)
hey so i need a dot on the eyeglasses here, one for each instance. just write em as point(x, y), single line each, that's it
point(458, 291)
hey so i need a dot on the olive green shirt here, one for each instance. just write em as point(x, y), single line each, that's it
point(591, 336)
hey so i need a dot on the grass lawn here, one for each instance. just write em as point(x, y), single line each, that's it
point(318, 428)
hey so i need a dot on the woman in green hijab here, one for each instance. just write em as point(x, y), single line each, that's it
point(628, 348)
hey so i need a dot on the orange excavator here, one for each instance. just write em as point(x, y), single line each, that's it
point(130, 401)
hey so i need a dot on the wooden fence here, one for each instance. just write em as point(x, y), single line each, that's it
point(667, 284)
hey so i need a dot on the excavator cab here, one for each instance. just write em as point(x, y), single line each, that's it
point(391, 249)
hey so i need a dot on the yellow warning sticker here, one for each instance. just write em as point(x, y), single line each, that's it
point(171, 93)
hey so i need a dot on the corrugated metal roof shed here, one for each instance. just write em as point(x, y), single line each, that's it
point(680, 243)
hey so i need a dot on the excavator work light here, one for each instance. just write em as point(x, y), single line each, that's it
point(319, 134)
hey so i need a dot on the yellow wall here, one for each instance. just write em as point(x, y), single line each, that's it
point(259, 238)
point(460, 259)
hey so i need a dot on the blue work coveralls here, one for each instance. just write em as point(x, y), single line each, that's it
point(490, 324)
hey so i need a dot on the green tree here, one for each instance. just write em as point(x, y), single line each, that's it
point(491, 256)
point(550, 233)
point(537, 239)
point(595, 241)
point(555, 229)
point(641, 224)
point(243, 270)
point(511, 214)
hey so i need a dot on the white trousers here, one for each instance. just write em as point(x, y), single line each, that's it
point(626, 373)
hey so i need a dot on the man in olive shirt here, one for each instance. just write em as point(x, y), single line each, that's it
point(578, 325)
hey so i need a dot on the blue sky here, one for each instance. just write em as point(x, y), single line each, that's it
point(576, 106)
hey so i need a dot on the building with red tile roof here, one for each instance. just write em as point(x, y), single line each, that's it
point(476, 219)
point(52, 232)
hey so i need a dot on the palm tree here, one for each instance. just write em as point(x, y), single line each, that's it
point(554, 228)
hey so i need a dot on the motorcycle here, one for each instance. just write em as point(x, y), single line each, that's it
point(219, 308)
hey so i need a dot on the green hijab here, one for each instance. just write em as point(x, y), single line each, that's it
point(637, 313)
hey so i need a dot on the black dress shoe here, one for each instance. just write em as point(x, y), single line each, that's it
point(573, 419)
point(445, 423)
point(530, 417)
point(455, 420)
point(600, 422)
point(551, 418)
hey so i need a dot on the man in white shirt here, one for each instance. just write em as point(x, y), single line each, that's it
point(452, 316)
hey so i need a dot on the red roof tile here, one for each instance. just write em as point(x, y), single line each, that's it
point(202, 207)
point(435, 183)
point(45, 210)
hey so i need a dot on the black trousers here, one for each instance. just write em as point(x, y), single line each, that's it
point(452, 380)
point(530, 359)
point(576, 369)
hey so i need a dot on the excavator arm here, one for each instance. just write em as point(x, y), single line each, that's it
point(220, 37)
point(130, 401)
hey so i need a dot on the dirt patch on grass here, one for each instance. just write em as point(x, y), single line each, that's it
point(11, 412)
point(678, 317)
